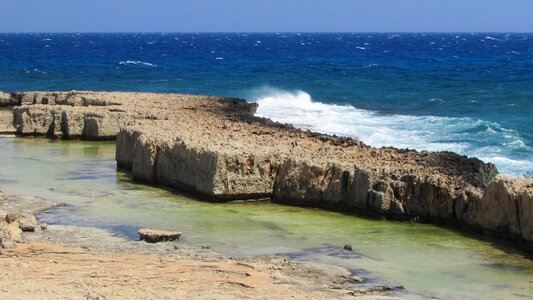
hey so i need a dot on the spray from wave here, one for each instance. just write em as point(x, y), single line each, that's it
point(485, 140)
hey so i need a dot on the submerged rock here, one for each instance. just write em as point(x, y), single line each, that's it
point(151, 235)
point(26, 222)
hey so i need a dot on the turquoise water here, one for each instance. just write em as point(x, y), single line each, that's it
point(468, 93)
point(429, 261)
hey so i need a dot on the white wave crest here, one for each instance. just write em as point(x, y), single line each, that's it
point(466, 136)
point(136, 62)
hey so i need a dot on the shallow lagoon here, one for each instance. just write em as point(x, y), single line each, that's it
point(429, 261)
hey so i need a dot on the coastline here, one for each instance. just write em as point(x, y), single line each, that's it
point(53, 262)
point(215, 147)
point(191, 130)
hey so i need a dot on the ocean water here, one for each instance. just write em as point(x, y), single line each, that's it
point(467, 93)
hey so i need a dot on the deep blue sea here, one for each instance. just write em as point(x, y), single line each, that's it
point(468, 93)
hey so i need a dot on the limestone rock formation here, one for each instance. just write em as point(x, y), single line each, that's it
point(216, 147)
point(10, 231)
point(151, 235)
point(6, 99)
point(507, 207)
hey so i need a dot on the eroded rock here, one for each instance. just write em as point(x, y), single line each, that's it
point(26, 222)
point(11, 230)
point(215, 147)
point(6, 99)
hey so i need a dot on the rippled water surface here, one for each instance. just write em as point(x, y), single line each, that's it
point(468, 93)
point(429, 261)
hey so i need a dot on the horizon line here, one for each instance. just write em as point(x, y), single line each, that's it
point(255, 32)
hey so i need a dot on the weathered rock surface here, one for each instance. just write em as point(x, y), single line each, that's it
point(17, 215)
point(151, 235)
point(6, 121)
point(215, 147)
point(6, 99)
point(26, 222)
point(5, 241)
point(10, 231)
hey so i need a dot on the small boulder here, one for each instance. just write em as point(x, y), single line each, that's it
point(11, 231)
point(26, 222)
point(44, 226)
point(151, 235)
point(5, 241)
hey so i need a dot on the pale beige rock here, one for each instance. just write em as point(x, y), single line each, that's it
point(5, 240)
point(11, 230)
point(507, 207)
point(25, 221)
point(6, 121)
point(6, 99)
point(214, 146)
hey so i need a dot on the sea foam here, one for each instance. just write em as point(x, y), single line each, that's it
point(467, 136)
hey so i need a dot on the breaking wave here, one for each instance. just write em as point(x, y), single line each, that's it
point(467, 136)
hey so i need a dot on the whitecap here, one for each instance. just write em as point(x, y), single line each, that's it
point(438, 100)
point(491, 38)
point(467, 136)
point(136, 62)
point(360, 48)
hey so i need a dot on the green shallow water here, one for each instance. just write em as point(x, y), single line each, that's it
point(429, 261)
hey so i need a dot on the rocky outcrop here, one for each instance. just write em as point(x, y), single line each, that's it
point(10, 231)
point(215, 147)
point(6, 99)
point(68, 122)
point(26, 222)
point(151, 235)
point(6, 121)
point(507, 208)
point(186, 163)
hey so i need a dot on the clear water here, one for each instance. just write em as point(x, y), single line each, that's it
point(429, 261)
point(469, 93)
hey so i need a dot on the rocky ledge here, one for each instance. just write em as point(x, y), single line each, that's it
point(216, 147)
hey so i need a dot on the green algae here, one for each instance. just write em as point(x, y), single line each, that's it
point(430, 261)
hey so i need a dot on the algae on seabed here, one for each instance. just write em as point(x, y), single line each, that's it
point(430, 261)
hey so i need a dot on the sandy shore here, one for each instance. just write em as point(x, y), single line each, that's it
point(70, 262)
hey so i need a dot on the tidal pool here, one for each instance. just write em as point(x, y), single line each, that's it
point(429, 261)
